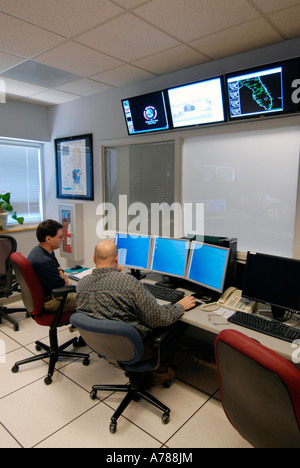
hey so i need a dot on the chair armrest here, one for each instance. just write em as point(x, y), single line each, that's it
point(63, 290)
point(159, 335)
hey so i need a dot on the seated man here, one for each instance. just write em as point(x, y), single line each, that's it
point(109, 294)
point(42, 257)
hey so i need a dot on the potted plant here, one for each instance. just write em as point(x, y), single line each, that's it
point(5, 210)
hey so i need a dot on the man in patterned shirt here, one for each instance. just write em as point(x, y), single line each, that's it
point(109, 294)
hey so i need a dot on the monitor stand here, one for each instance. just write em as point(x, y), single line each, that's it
point(137, 274)
point(169, 282)
point(279, 313)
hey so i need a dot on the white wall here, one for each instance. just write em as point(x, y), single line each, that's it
point(102, 116)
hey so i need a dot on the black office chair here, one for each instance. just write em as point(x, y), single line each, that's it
point(8, 282)
point(122, 346)
point(260, 391)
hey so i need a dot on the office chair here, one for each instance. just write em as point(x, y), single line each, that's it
point(33, 298)
point(260, 391)
point(122, 346)
point(8, 283)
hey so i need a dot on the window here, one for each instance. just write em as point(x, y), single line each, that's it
point(139, 182)
point(20, 175)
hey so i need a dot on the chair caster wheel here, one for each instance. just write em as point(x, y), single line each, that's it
point(16, 327)
point(113, 428)
point(93, 395)
point(168, 384)
point(165, 418)
point(38, 348)
point(48, 380)
point(86, 362)
point(15, 369)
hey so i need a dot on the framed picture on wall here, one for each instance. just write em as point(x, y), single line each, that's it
point(74, 167)
point(71, 218)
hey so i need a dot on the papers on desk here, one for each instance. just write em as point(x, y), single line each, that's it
point(76, 275)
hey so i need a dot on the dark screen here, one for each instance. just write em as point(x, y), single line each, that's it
point(273, 280)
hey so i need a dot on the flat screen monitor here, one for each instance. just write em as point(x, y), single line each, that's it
point(169, 256)
point(274, 281)
point(133, 250)
point(146, 113)
point(263, 91)
point(207, 265)
point(197, 103)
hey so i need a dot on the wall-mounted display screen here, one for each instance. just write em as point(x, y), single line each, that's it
point(146, 113)
point(263, 91)
point(197, 103)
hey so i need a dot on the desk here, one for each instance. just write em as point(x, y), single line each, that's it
point(213, 323)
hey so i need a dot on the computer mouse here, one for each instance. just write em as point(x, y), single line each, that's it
point(76, 267)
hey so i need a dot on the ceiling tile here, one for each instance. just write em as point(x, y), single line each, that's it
point(7, 61)
point(23, 39)
point(84, 87)
point(123, 76)
point(15, 87)
point(269, 6)
point(127, 38)
point(78, 59)
point(191, 19)
point(53, 96)
point(39, 74)
point(247, 36)
point(67, 17)
point(171, 60)
point(288, 21)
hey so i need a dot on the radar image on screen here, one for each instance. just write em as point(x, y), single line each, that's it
point(256, 93)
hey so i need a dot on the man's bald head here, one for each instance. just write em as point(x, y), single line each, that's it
point(106, 254)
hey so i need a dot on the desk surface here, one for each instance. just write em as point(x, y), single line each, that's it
point(213, 322)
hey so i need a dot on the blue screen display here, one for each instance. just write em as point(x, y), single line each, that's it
point(169, 256)
point(208, 265)
point(133, 250)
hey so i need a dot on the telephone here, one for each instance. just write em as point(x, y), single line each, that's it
point(231, 299)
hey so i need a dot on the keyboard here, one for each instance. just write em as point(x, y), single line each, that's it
point(165, 294)
point(268, 327)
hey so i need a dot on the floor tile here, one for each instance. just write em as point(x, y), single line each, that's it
point(208, 428)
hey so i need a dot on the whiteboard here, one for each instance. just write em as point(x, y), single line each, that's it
point(248, 183)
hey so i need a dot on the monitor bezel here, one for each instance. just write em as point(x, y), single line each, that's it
point(259, 299)
point(189, 263)
point(219, 78)
point(165, 273)
point(153, 130)
point(284, 64)
point(136, 267)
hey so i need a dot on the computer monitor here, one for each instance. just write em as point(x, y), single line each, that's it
point(207, 265)
point(146, 113)
point(263, 91)
point(197, 103)
point(169, 256)
point(133, 250)
point(274, 281)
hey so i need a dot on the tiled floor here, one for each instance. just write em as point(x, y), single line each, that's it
point(62, 414)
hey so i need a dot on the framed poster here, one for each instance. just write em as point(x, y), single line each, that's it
point(74, 167)
point(71, 218)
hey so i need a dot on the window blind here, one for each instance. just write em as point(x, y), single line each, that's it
point(21, 176)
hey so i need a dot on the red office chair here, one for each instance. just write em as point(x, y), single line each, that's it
point(260, 391)
point(33, 298)
point(8, 283)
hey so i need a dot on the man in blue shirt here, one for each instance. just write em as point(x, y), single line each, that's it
point(42, 257)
